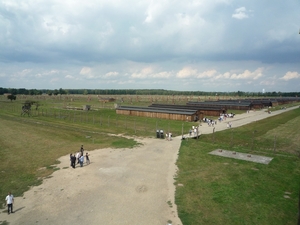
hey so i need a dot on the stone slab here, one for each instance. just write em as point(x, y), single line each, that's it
point(242, 156)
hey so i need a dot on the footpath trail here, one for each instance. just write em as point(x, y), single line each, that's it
point(119, 187)
point(240, 120)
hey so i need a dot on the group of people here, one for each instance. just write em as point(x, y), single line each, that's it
point(210, 122)
point(223, 116)
point(79, 157)
point(194, 131)
point(168, 136)
point(229, 125)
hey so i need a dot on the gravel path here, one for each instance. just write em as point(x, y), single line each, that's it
point(123, 186)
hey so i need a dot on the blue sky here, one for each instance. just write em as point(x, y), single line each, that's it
point(204, 45)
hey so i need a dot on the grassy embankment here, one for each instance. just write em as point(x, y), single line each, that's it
point(219, 190)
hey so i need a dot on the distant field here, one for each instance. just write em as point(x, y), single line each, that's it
point(215, 190)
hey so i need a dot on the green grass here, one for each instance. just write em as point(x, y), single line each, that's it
point(219, 190)
point(215, 190)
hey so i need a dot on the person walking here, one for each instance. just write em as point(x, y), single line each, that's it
point(9, 202)
point(81, 149)
point(87, 158)
point(78, 156)
point(81, 159)
point(73, 161)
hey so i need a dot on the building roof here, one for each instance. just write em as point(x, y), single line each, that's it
point(222, 103)
point(159, 110)
point(191, 107)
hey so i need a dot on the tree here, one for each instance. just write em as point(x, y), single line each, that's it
point(55, 92)
point(11, 97)
point(61, 91)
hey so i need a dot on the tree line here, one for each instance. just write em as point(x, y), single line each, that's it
point(60, 91)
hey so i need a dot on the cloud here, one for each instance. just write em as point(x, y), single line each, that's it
point(162, 75)
point(187, 72)
point(85, 70)
point(144, 73)
point(268, 82)
point(151, 73)
point(248, 75)
point(207, 74)
point(24, 72)
point(69, 76)
point(213, 74)
point(111, 74)
point(240, 13)
point(290, 75)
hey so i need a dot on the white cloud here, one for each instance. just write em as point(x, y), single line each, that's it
point(151, 73)
point(85, 70)
point(240, 13)
point(213, 74)
point(24, 72)
point(248, 75)
point(162, 75)
point(144, 73)
point(69, 77)
point(111, 74)
point(207, 74)
point(187, 72)
point(153, 11)
point(290, 75)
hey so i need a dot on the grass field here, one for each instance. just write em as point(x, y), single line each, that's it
point(215, 190)
point(219, 190)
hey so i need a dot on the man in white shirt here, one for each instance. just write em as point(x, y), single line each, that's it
point(9, 201)
point(77, 157)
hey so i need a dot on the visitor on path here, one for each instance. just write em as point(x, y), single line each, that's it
point(73, 161)
point(81, 149)
point(170, 136)
point(87, 158)
point(81, 160)
point(78, 156)
point(9, 201)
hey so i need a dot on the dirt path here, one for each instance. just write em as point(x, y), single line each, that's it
point(124, 186)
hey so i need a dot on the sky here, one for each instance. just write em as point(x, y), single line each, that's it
point(204, 45)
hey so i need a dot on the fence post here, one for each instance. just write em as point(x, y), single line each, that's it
point(134, 127)
point(231, 139)
point(274, 143)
